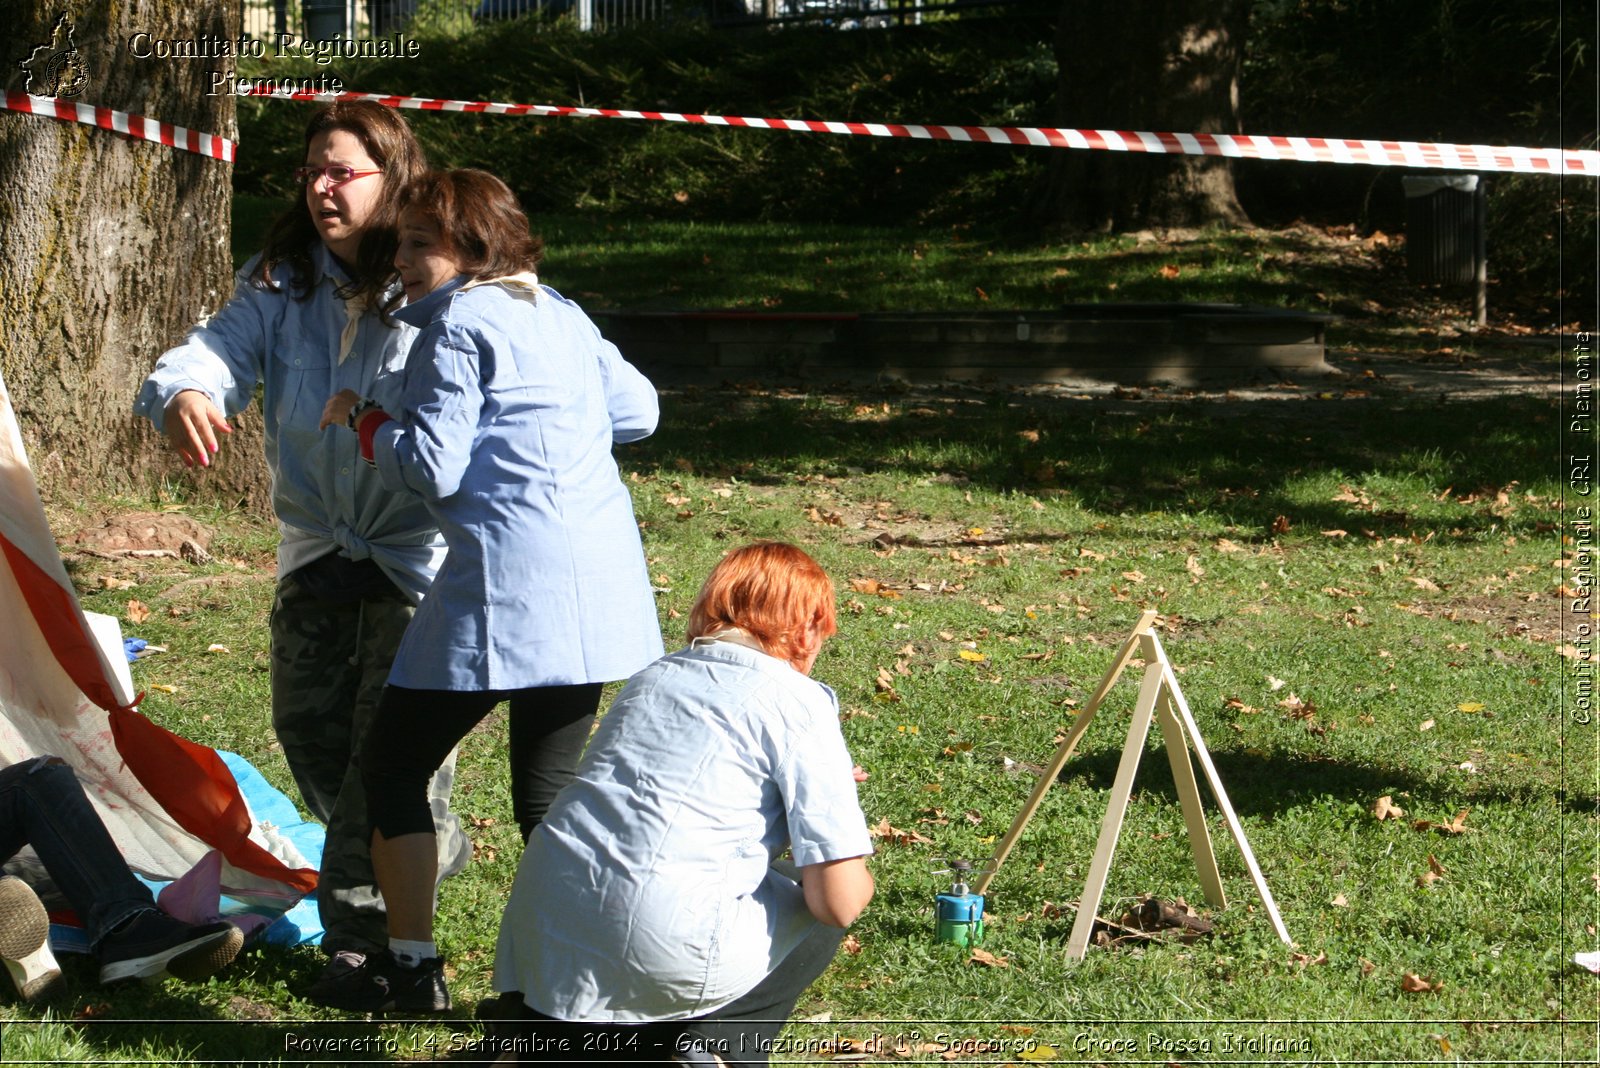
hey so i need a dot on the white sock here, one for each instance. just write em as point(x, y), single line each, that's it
point(410, 953)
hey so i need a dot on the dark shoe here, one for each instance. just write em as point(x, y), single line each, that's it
point(25, 941)
point(153, 945)
point(341, 964)
point(382, 984)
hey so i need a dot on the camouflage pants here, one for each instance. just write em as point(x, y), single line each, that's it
point(329, 665)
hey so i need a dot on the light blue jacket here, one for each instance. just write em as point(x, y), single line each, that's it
point(648, 892)
point(324, 496)
point(504, 430)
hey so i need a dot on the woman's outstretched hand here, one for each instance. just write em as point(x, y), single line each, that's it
point(192, 422)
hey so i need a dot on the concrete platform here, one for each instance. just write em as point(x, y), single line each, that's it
point(1176, 344)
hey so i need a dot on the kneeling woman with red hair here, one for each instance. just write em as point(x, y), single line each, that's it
point(650, 908)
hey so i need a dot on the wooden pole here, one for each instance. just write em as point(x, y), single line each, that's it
point(1116, 808)
point(1064, 751)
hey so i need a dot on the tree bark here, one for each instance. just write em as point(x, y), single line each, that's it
point(1156, 65)
point(111, 247)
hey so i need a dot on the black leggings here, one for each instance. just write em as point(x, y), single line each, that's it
point(416, 729)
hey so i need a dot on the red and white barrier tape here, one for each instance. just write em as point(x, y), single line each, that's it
point(1302, 149)
point(121, 122)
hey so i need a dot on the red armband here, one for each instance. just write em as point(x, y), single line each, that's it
point(367, 428)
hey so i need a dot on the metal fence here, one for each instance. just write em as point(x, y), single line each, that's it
point(320, 20)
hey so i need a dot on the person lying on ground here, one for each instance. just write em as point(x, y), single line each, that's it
point(43, 805)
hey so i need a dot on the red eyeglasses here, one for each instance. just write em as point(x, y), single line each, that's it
point(337, 174)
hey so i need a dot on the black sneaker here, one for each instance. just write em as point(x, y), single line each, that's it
point(153, 945)
point(339, 965)
point(383, 984)
point(25, 941)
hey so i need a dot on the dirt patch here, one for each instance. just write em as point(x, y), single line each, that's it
point(136, 531)
point(1538, 619)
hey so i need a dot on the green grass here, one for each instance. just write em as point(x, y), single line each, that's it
point(1426, 638)
point(640, 264)
point(670, 264)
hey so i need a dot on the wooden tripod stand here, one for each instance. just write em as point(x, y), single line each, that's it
point(1159, 699)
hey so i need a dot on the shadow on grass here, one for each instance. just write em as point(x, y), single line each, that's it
point(1267, 784)
point(1236, 460)
point(250, 1027)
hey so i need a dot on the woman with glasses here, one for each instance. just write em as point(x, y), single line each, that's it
point(308, 318)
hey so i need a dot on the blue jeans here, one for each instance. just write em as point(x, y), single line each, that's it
point(42, 805)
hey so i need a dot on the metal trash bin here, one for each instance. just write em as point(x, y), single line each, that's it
point(324, 19)
point(1447, 232)
point(1444, 220)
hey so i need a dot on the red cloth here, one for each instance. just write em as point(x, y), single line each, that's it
point(368, 427)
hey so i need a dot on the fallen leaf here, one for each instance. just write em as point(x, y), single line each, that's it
point(1455, 826)
point(1041, 1052)
point(1348, 496)
point(138, 612)
point(1339, 901)
point(1367, 966)
point(1335, 533)
point(983, 956)
point(1280, 525)
point(1223, 545)
point(1385, 809)
point(1196, 572)
point(1275, 684)
point(895, 835)
point(1169, 271)
point(973, 655)
point(851, 945)
point(1412, 983)
point(1470, 706)
point(1423, 583)
point(1296, 708)
point(1425, 725)
point(161, 687)
point(111, 582)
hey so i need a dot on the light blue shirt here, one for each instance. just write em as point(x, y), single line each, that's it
point(504, 429)
point(324, 496)
point(648, 892)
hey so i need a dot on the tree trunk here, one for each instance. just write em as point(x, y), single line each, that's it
point(1155, 65)
point(111, 247)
